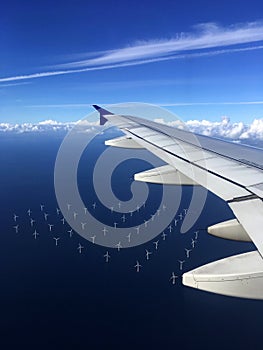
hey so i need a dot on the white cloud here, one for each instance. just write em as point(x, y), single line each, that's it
point(50, 126)
point(210, 103)
point(49, 122)
point(237, 132)
point(207, 40)
point(14, 84)
point(209, 35)
point(224, 129)
point(255, 130)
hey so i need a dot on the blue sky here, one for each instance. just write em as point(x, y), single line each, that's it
point(202, 59)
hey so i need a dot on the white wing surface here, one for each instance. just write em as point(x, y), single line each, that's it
point(233, 172)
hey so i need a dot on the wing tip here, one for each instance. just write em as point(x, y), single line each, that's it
point(102, 113)
point(96, 107)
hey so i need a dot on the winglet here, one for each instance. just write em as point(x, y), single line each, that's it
point(102, 112)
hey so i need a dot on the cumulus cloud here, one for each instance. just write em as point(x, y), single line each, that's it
point(206, 40)
point(224, 129)
point(228, 130)
point(49, 126)
point(254, 131)
point(238, 131)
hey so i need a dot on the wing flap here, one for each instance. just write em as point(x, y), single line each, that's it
point(233, 170)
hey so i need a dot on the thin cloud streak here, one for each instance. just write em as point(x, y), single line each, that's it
point(85, 105)
point(14, 84)
point(126, 64)
point(66, 105)
point(211, 103)
point(210, 37)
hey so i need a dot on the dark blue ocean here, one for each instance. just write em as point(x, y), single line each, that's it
point(52, 297)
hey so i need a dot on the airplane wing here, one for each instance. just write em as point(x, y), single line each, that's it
point(233, 172)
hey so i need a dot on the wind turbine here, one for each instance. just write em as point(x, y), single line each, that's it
point(129, 237)
point(35, 234)
point(164, 236)
point(147, 254)
point(193, 242)
point(70, 233)
point(107, 257)
point(56, 240)
point(173, 278)
point(80, 247)
point(16, 228)
point(181, 262)
point(156, 244)
point(104, 231)
point(137, 266)
point(118, 246)
point(83, 224)
point(187, 251)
